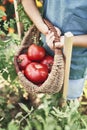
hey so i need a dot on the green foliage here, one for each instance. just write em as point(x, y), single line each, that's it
point(10, 21)
point(4, 110)
point(50, 117)
point(6, 58)
point(24, 19)
point(13, 126)
point(2, 13)
point(9, 85)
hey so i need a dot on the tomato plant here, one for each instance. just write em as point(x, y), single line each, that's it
point(7, 19)
point(36, 72)
point(36, 53)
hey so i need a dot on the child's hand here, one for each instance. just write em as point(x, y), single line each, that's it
point(50, 39)
point(61, 43)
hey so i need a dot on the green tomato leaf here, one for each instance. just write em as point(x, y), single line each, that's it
point(24, 107)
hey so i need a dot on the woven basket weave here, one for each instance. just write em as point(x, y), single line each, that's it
point(54, 82)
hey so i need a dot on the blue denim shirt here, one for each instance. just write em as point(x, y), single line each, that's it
point(70, 15)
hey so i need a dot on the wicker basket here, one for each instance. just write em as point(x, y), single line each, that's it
point(54, 82)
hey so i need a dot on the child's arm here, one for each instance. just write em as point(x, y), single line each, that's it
point(80, 41)
point(34, 14)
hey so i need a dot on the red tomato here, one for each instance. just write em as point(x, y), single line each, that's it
point(11, 30)
point(36, 53)
point(11, 1)
point(4, 18)
point(36, 72)
point(48, 61)
point(2, 8)
point(4, 2)
point(23, 61)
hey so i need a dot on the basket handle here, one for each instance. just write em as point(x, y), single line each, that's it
point(57, 38)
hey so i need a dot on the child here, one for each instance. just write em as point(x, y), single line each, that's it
point(65, 15)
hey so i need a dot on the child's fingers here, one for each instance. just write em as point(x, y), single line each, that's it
point(50, 43)
point(58, 31)
point(49, 35)
point(50, 39)
point(61, 43)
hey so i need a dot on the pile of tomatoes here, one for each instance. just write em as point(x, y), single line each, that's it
point(35, 64)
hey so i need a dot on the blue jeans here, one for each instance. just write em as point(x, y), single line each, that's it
point(75, 89)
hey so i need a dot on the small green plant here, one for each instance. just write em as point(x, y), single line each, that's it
point(9, 84)
point(50, 117)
